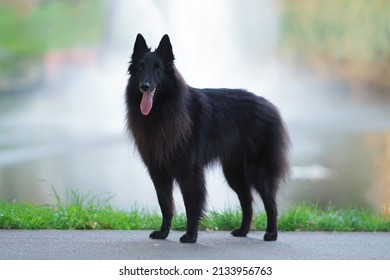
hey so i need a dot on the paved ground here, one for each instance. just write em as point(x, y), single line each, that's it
point(53, 244)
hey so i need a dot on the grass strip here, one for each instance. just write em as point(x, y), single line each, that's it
point(85, 212)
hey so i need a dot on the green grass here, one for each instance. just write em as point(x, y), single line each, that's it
point(82, 211)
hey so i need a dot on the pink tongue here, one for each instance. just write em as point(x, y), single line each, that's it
point(146, 103)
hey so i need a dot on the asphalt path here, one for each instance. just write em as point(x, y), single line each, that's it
point(135, 245)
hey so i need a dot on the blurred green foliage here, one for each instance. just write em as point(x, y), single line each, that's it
point(29, 29)
point(347, 39)
point(51, 24)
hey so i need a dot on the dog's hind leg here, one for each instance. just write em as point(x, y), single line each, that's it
point(192, 185)
point(267, 191)
point(268, 198)
point(163, 184)
point(236, 180)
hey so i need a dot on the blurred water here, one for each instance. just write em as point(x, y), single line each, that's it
point(70, 133)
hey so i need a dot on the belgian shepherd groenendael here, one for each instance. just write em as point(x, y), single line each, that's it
point(179, 130)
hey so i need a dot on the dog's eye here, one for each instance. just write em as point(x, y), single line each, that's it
point(141, 67)
point(157, 69)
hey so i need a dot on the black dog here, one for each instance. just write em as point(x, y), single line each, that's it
point(179, 130)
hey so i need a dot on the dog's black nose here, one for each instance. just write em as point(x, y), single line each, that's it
point(144, 86)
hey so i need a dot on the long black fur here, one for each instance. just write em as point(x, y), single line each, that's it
point(189, 128)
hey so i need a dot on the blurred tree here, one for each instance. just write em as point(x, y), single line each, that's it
point(347, 39)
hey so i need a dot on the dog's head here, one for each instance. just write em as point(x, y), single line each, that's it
point(151, 70)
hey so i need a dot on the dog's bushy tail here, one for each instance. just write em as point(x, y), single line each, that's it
point(276, 162)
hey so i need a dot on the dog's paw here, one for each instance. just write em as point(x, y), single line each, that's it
point(158, 234)
point(186, 238)
point(238, 232)
point(270, 236)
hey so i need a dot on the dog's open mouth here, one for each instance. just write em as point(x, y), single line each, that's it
point(147, 101)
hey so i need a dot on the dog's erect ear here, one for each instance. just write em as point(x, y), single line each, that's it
point(165, 49)
point(140, 47)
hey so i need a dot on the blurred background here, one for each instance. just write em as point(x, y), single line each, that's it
point(325, 64)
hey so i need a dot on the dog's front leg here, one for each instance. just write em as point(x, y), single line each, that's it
point(192, 185)
point(163, 184)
